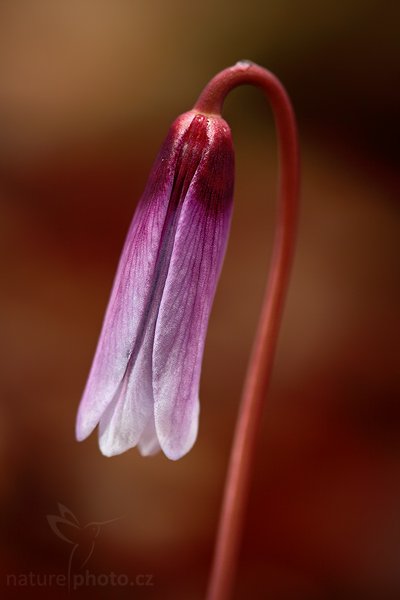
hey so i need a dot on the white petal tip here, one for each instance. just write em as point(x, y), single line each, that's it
point(82, 432)
point(149, 452)
point(176, 449)
point(111, 445)
point(176, 454)
point(176, 441)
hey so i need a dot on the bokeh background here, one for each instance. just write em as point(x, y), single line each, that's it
point(88, 89)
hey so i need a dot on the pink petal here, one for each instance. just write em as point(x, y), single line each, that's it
point(125, 322)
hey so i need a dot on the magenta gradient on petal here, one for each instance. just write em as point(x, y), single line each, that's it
point(143, 386)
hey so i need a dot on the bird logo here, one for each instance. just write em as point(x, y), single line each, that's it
point(83, 538)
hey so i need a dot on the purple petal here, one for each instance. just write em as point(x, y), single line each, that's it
point(196, 260)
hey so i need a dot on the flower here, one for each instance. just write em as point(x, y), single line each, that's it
point(143, 387)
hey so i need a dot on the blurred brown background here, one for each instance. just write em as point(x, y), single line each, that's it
point(88, 89)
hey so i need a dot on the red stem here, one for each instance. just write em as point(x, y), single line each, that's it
point(259, 371)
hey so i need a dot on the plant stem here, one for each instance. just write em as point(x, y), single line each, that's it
point(243, 451)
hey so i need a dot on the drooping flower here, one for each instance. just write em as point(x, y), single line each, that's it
point(143, 387)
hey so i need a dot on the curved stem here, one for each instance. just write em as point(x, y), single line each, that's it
point(259, 370)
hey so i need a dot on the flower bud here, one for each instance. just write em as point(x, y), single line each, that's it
point(143, 387)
